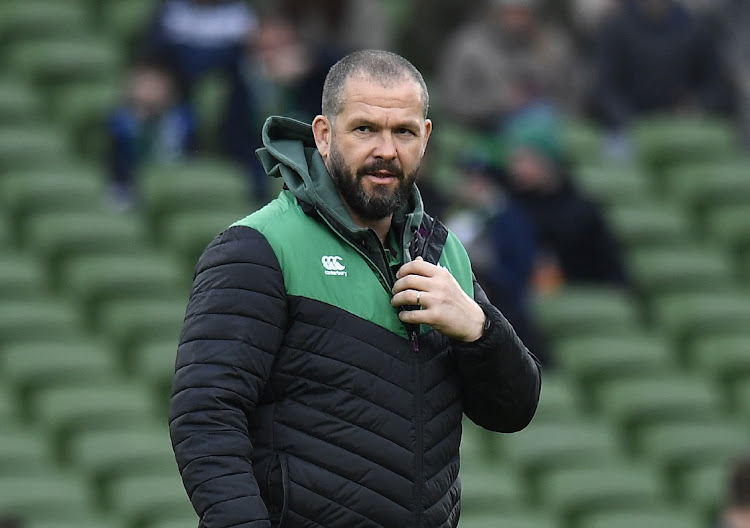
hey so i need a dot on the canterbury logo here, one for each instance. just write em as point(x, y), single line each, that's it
point(333, 265)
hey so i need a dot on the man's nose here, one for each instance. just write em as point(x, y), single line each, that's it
point(386, 147)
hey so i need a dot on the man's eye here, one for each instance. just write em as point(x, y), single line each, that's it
point(405, 131)
point(363, 128)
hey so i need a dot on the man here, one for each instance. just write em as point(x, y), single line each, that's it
point(505, 60)
point(654, 56)
point(575, 243)
point(334, 338)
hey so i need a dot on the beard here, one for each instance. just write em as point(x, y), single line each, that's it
point(382, 201)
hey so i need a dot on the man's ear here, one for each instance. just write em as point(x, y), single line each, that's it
point(322, 132)
point(427, 132)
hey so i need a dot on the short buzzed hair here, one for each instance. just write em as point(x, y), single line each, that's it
point(383, 66)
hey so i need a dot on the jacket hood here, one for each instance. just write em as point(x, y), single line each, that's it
point(290, 153)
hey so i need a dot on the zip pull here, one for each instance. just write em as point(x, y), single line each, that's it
point(415, 341)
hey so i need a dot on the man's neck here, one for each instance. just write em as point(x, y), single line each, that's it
point(381, 226)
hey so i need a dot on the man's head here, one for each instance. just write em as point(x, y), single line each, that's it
point(535, 153)
point(737, 507)
point(516, 18)
point(373, 131)
point(151, 87)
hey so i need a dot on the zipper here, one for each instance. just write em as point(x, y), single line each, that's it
point(413, 331)
point(418, 426)
point(384, 281)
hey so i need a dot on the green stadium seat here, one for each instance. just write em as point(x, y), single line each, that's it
point(30, 145)
point(742, 398)
point(98, 405)
point(54, 62)
point(691, 315)
point(93, 522)
point(489, 490)
point(6, 239)
point(60, 235)
point(28, 20)
point(587, 311)
point(660, 271)
point(30, 367)
point(675, 448)
point(24, 451)
point(154, 362)
point(51, 497)
point(576, 492)
point(106, 455)
point(558, 402)
point(478, 446)
point(724, 357)
point(634, 403)
point(666, 518)
point(188, 233)
point(91, 279)
point(18, 102)
point(194, 186)
point(129, 322)
point(615, 184)
point(138, 498)
point(729, 225)
point(583, 141)
point(704, 185)
point(662, 141)
point(650, 225)
point(542, 448)
point(595, 360)
point(26, 193)
point(82, 109)
point(504, 519)
point(9, 407)
point(38, 319)
point(21, 277)
point(703, 488)
point(210, 103)
point(177, 521)
point(127, 20)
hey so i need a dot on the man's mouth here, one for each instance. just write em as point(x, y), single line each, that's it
point(381, 175)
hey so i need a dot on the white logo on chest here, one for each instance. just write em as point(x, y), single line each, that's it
point(333, 266)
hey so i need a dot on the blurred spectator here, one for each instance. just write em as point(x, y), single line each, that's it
point(201, 36)
point(208, 37)
point(500, 241)
point(493, 65)
point(736, 510)
point(150, 125)
point(655, 56)
point(575, 243)
point(589, 15)
point(349, 25)
point(423, 35)
point(734, 19)
point(283, 74)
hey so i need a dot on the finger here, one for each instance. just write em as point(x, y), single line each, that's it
point(417, 267)
point(412, 282)
point(414, 317)
point(409, 298)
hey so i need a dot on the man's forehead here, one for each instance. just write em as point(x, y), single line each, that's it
point(403, 92)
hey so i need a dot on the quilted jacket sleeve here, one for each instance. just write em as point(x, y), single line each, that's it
point(233, 327)
point(502, 379)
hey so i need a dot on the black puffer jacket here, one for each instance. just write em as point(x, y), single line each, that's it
point(294, 406)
